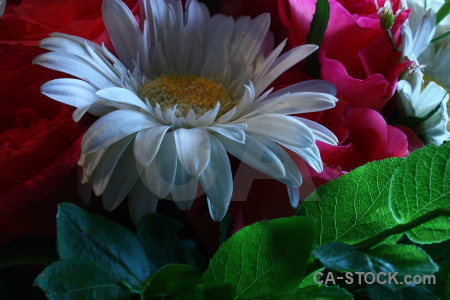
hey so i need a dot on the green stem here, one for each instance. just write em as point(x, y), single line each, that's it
point(443, 12)
point(380, 237)
point(401, 228)
point(391, 39)
point(440, 37)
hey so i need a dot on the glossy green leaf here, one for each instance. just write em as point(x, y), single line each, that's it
point(355, 206)
point(407, 259)
point(343, 257)
point(83, 235)
point(264, 258)
point(422, 184)
point(75, 279)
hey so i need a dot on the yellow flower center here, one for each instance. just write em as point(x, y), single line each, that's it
point(200, 94)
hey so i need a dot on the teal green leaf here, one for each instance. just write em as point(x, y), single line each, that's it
point(158, 234)
point(422, 184)
point(377, 292)
point(171, 279)
point(83, 235)
point(343, 257)
point(75, 279)
point(407, 259)
point(355, 206)
point(265, 258)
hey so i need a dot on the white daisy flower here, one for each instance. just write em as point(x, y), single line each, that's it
point(185, 90)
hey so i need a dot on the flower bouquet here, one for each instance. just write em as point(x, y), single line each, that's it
point(271, 149)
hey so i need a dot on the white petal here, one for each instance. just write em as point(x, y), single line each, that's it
point(291, 104)
point(122, 181)
point(193, 148)
point(256, 155)
point(294, 195)
point(75, 66)
point(83, 49)
point(105, 168)
point(283, 63)
point(113, 127)
point(217, 181)
point(207, 117)
point(125, 34)
point(73, 92)
point(292, 176)
point(312, 86)
point(320, 132)
point(122, 96)
point(159, 175)
point(184, 189)
point(227, 116)
point(282, 129)
point(147, 142)
point(89, 162)
point(233, 132)
point(141, 202)
point(310, 155)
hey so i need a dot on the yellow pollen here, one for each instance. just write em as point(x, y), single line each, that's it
point(200, 94)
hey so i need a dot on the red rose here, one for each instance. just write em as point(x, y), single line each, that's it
point(356, 54)
point(39, 142)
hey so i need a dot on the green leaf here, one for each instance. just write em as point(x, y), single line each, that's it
point(83, 235)
point(343, 257)
point(171, 279)
point(316, 34)
point(422, 184)
point(325, 292)
point(261, 259)
point(355, 206)
point(75, 279)
point(158, 235)
point(309, 279)
point(407, 259)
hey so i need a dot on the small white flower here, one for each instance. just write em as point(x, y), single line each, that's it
point(432, 60)
point(420, 103)
point(187, 88)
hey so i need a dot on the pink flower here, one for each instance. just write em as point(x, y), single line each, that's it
point(356, 54)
